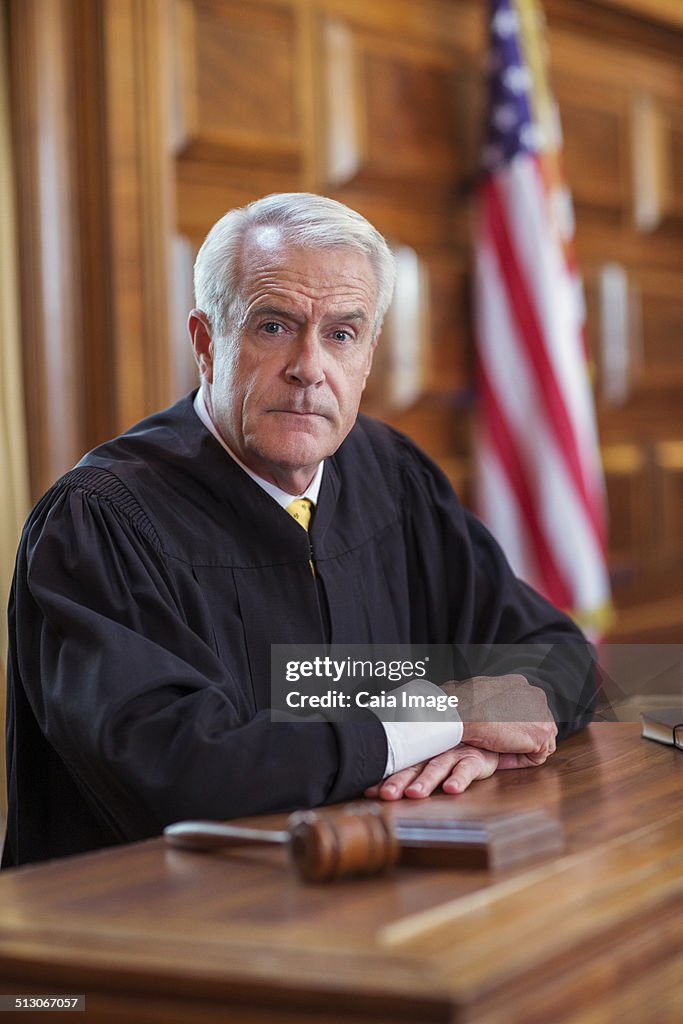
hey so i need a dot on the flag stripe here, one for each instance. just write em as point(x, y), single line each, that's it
point(556, 292)
point(532, 335)
point(539, 467)
point(509, 458)
point(558, 508)
point(503, 512)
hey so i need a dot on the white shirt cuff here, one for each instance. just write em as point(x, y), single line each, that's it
point(409, 742)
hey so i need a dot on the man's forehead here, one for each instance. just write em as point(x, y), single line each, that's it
point(271, 262)
point(270, 246)
point(265, 237)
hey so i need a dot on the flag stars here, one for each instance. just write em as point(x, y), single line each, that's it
point(505, 23)
point(529, 136)
point(516, 79)
point(505, 116)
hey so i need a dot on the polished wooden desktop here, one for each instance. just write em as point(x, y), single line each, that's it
point(594, 934)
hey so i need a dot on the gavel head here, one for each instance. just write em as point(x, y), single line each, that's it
point(356, 841)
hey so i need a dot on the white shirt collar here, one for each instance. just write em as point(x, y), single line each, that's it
point(280, 496)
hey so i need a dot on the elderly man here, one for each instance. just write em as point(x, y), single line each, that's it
point(153, 578)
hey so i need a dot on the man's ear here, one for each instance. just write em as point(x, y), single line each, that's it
point(202, 343)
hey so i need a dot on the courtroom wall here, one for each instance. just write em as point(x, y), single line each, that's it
point(138, 122)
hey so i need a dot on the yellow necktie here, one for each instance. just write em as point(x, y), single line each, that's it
point(300, 509)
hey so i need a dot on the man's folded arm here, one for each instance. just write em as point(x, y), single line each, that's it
point(138, 706)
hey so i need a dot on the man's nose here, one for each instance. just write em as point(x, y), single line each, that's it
point(305, 366)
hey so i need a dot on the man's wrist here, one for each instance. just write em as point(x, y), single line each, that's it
point(413, 735)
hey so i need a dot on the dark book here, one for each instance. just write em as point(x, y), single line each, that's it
point(664, 725)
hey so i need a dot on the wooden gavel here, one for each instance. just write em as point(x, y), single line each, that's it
point(360, 840)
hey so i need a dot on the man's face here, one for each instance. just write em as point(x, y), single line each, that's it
point(285, 386)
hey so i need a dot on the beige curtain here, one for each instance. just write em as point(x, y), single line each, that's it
point(13, 461)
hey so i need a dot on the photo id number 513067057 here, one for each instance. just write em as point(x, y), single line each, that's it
point(34, 1002)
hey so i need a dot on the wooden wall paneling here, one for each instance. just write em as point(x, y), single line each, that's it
point(239, 81)
point(452, 344)
point(416, 143)
point(596, 143)
point(634, 327)
point(615, 92)
point(93, 197)
point(402, 362)
point(668, 459)
point(44, 103)
point(629, 491)
point(344, 125)
point(90, 186)
point(204, 191)
point(603, 236)
point(597, 46)
point(661, 370)
point(669, 12)
point(651, 620)
point(673, 115)
point(657, 148)
point(397, 120)
point(439, 22)
point(184, 368)
point(140, 203)
point(651, 162)
point(246, 88)
point(440, 425)
point(459, 472)
point(614, 329)
point(308, 89)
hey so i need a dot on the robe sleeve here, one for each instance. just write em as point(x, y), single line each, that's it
point(496, 623)
point(524, 633)
point(136, 703)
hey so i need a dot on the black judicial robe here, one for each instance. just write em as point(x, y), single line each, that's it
point(151, 581)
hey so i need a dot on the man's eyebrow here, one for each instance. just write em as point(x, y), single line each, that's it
point(269, 310)
point(354, 314)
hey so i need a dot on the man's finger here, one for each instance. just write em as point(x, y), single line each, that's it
point(521, 760)
point(393, 787)
point(432, 775)
point(474, 764)
point(462, 775)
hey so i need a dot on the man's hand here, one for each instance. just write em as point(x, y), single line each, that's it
point(506, 714)
point(506, 724)
point(453, 770)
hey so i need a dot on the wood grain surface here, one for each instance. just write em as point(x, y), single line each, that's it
point(152, 934)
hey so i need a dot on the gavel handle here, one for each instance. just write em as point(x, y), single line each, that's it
point(211, 835)
point(322, 848)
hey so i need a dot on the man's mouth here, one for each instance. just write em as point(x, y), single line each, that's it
point(302, 413)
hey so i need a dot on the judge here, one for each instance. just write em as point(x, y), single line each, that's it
point(152, 578)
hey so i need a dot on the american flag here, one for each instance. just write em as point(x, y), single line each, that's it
point(539, 478)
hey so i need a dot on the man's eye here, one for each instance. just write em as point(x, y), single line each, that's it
point(341, 336)
point(272, 327)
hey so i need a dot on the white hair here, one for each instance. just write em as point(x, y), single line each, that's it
point(303, 219)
